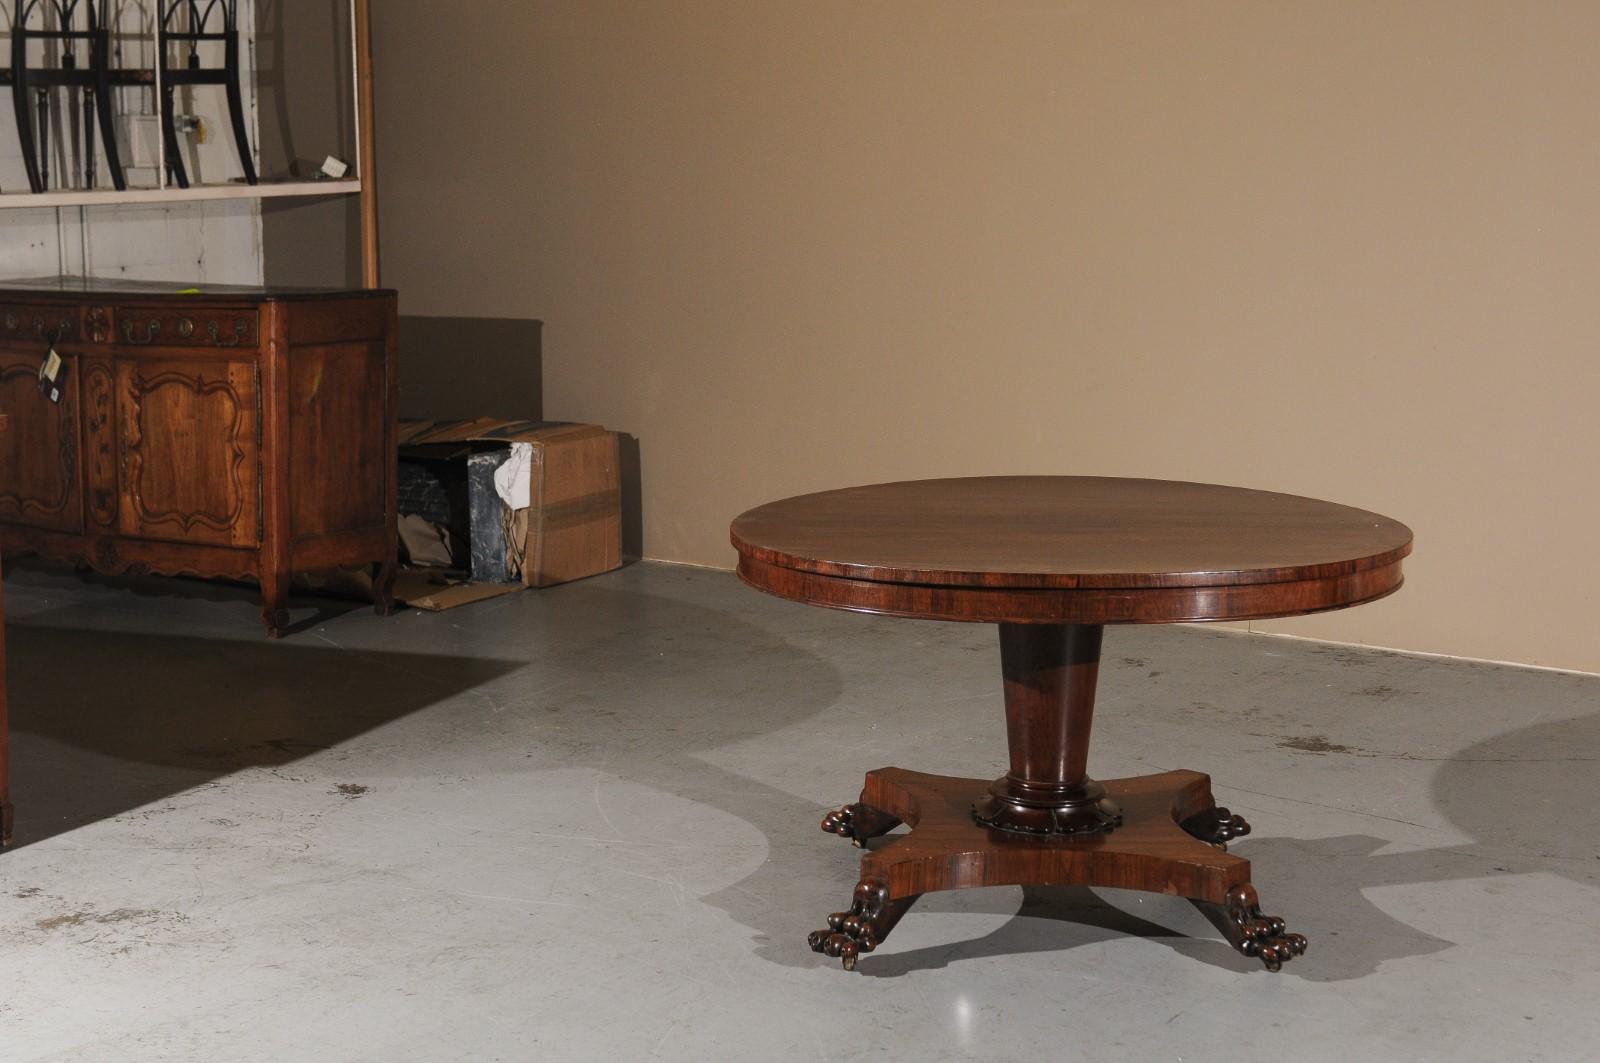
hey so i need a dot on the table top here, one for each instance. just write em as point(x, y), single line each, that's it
point(1069, 549)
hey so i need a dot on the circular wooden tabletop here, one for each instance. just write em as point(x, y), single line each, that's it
point(1069, 549)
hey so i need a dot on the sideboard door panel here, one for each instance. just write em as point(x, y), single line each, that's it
point(39, 482)
point(338, 409)
point(190, 451)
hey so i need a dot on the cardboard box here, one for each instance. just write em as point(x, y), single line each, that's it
point(573, 524)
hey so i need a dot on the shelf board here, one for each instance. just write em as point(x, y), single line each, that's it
point(192, 194)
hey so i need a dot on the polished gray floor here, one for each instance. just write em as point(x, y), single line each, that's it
point(582, 824)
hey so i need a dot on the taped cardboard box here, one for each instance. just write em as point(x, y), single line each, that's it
point(573, 524)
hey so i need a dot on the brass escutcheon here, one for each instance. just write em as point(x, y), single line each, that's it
point(185, 327)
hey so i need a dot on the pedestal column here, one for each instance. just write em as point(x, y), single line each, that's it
point(1050, 672)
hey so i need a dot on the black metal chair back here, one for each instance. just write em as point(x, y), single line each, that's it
point(190, 23)
point(31, 86)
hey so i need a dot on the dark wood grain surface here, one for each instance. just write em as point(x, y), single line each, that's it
point(1052, 559)
point(248, 433)
point(1079, 549)
point(1067, 531)
point(1173, 843)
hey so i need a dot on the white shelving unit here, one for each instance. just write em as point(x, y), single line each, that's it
point(102, 197)
point(360, 183)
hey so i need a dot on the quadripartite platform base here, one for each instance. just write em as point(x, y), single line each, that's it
point(1171, 841)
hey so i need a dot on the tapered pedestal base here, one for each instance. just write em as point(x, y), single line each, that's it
point(1081, 810)
point(1170, 841)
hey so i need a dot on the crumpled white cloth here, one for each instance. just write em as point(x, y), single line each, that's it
point(513, 480)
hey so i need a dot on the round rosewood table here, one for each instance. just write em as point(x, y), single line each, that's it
point(1051, 560)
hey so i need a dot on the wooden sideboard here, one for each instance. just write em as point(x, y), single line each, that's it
point(212, 431)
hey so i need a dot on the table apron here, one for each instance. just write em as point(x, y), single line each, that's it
point(1033, 605)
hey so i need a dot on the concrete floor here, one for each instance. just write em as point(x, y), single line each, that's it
point(582, 824)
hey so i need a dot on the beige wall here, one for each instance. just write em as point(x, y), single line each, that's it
point(1346, 250)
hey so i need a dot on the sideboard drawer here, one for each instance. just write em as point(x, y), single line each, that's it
point(44, 323)
point(200, 326)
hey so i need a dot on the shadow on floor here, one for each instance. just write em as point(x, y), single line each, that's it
point(1056, 919)
point(325, 607)
point(134, 718)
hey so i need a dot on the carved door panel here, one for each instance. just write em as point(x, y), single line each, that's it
point(39, 453)
point(189, 451)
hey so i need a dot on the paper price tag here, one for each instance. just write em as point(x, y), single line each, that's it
point(52, 375)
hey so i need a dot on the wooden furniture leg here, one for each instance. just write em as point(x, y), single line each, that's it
point(859, 823)
point(1253, 934)
point(275, 602)
point(872, 914)
point(383, 587)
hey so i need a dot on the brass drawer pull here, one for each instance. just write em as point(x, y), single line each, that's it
point(62, 330)
point(239, 330)
point(152, 330)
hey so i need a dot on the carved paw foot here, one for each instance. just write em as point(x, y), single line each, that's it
point(859, 930)
point(1258, 935)
point(1216, 825)
point(858, 822)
